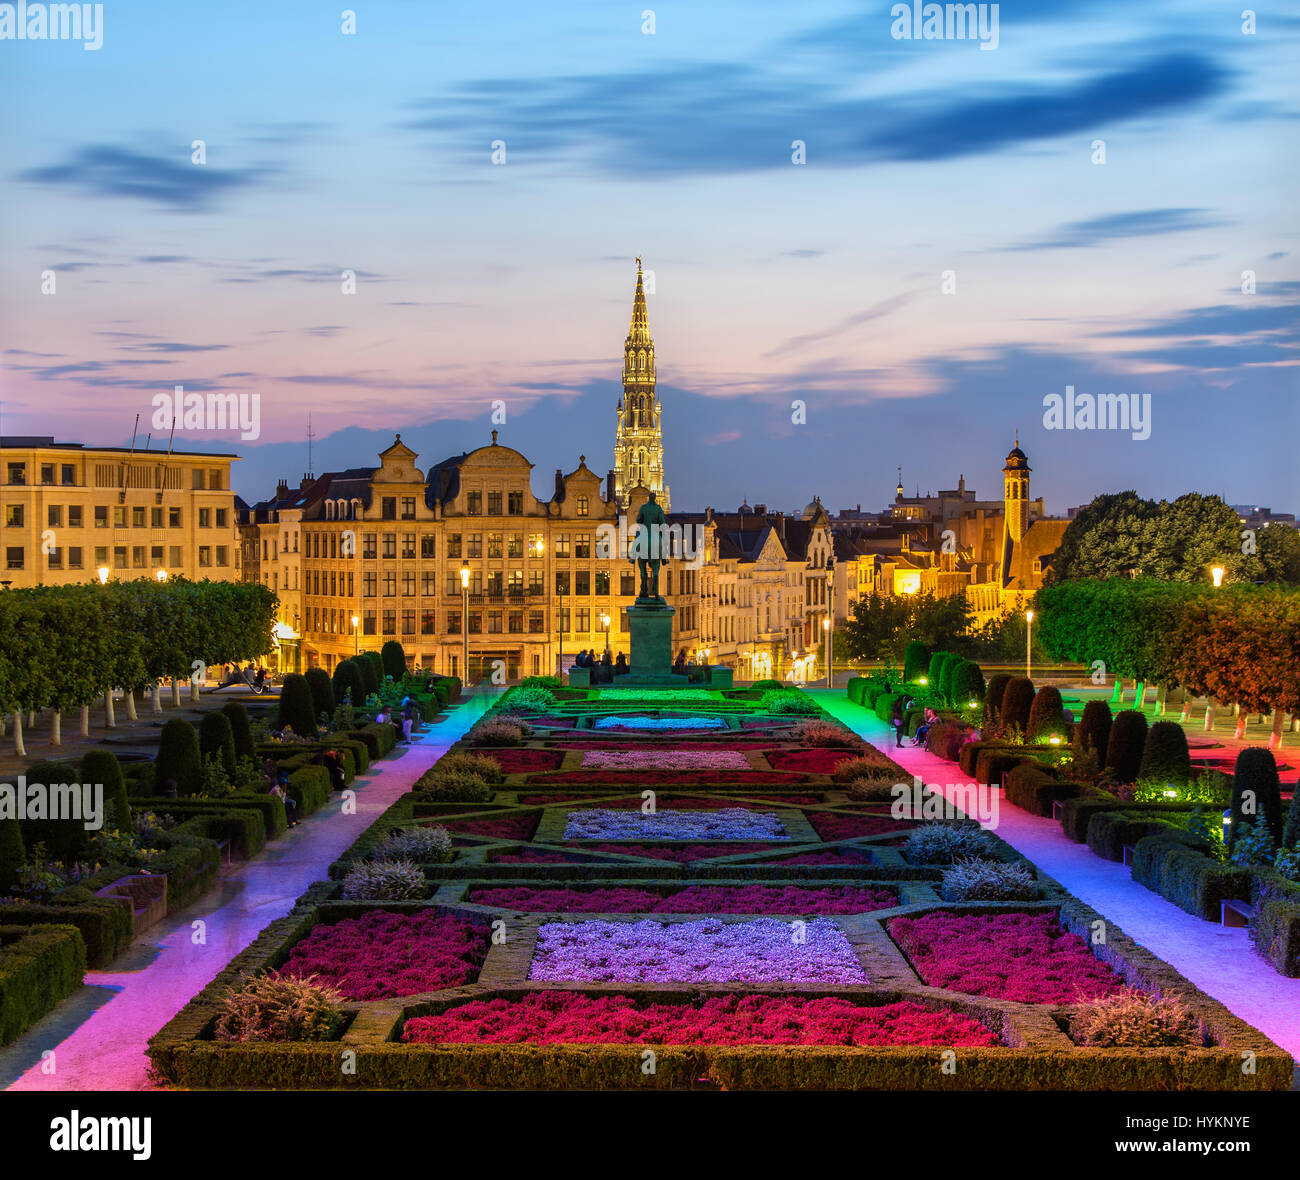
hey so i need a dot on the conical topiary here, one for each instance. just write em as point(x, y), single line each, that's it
point(102, 767)
point(1256, 792)
point(1164, 754)
point(179, 758)
point(993, 695)
point(1046, 715)
point(1093, 731)
point(348, 683)
point(394, 659)
point(217, 740)
point(240, 730)
point(322, 691)
point(1128, 735)
point(65, 838)
point(371, 674)
point(916, 659)
point(1017, 701)
point(297, 709)
point(12, 854)
point(967, 685)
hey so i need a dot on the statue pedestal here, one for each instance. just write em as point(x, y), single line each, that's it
point(650, 627)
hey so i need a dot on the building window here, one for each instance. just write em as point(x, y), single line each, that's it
point(602, 581)
point(515, 584)
point(474, 545)
point(389, 622)
point(515, 622)
point(494, 545)
point(221, 524)
point(101, 516)
point(74, 557)
point(17, 475)
point(582, 545)
point(515, 545)
point(474, 503)
point(388, 509)
point(54, 516)
point(562, 545)
point(515, 504)
point(205, 555)
point(390, 584)
point(214, 479)
point(47, 473)
point(427, 547)
point(119, 557)
point(494, 582)
point(536, 622)
point(453, 545)
point(369, 546)
point(408, 622)
point(137, 517)
point(223, 555)
point(390, 546)
point(175, 558)
point(173, 518)
point(54, 559)
point(627, 583)
point(14, 555)
point(428, 622)
point(535, 585)
point(155, 518)
point(14, 516)
point(584, 620)
point(368, 622)
point(428, 583)
point(494, 622)
point(453, 622)
point(475, 622)
point(69, 475)
point(582, 582)
point(408, 583)
point(408, 546)
point(562, 582)
point(494, 504)
point(583, 506)
point(408, 507)
point(197, 479)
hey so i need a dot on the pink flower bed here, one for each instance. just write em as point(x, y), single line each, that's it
point(693, 899)
point(529, 857)
point(830, 825)
point(554, 1017)
point(555, 722)
point(707, 950)
point(679, 853)
point(1018, 956)
point(822, 858)
point(514, 760)
point(381, 955)
point(764, 723)
point(506, 827)
point(820, 760)
point(652, 778)
point(660, 759)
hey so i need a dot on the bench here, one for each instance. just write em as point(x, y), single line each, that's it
point(1128, 854)
point(1235, 913)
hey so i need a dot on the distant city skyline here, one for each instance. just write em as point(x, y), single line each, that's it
point(1168, 271)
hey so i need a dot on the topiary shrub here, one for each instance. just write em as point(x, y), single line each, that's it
point(1093, 731)
point(217, 740)
point(393, 657)
point(486, 769)
point(275, 1007)
point(1133, 1019)
point(1046, 715)
point(916, 659)
point(942, 843)
point(240, 730)
point(1291, 831)
point(179, 758)
point(1017, 701)
point(1128, 735)
point(787, 701)
point(497, 732)
point(102, 766)
point(1164, 754)
point(987, 880)
point(993, 695)
point(934, 672)
point(376, 662)
point(879, 789)
point(322, 691)
point(967, 685)
point(527, 700)
point(384, 880)
point(550, 683)
point(947, 676)
point(453, 786)
point(872, 765)
point(1256, 793)
point(12, 853)
point(297, 709)
point(825, 734)
point(428, 845)
point(348, 683)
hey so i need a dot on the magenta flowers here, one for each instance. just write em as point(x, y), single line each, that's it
point(1018, 956)
point(694, 899)
point(565, 1017)
point(382, 954)
point(732, 823)
point(765, 950)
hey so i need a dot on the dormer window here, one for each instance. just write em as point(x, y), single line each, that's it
point(583, 505)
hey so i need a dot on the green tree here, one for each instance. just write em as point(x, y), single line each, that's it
point(1046, 715)
point(1128, 734)
point(297, 709)
point(1165, 755)
point(240, 730)
point(916, 659)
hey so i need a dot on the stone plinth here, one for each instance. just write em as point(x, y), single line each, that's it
point(650, 628)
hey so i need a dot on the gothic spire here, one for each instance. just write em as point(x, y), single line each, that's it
point(639, 331)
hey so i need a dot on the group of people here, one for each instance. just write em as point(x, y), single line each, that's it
point(604, 669)
point(681, 665)
point(404, 718)
point(253, 676)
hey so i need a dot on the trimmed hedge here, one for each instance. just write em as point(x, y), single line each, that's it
point(1183, 874)
point(102, 766)
point(1109, 831)
point(104, 924)
point(39, 967)
point(271, 809)
point(297, 709)
point(1093, 731)
point(1077, 813)
point(179, 758)
point(322, 691)
point(916, 658)
point(993, 695)
point(1128, 735)
point(240, 731)
point(1276, 928)
point(393, 656)
point(217, 739)
point(12, 853)
point(1255, 772)
point(1017, 701)
point(1046, 714)
point(64, 839)
point(1034, 789)
point(347, 685)
point(1165, 755)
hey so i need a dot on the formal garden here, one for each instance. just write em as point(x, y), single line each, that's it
point(700, 888)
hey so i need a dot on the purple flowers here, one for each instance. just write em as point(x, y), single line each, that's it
point(709, 951)
point(732, 823)
point(664, 760)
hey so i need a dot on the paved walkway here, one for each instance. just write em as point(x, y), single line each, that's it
point(1221, 961)
point(98, 1035)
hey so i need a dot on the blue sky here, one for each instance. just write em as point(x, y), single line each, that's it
point(774, 281)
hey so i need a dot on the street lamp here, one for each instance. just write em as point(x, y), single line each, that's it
point(356, 635)
point(1216, 573)
point(604, 622)
point(1029, 630)
point(161, 575)
point(826, 626)
point(103, 575)
point(828, 623)
point(464, 620)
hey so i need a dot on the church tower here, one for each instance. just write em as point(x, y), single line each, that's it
point(1015, 477)
point(638, 441)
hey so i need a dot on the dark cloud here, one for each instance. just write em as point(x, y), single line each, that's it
point(107, 170)
point(1139, 223)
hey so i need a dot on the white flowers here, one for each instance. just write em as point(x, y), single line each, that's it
point(729, 823)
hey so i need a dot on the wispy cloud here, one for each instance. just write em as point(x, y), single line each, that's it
point(1140, 223)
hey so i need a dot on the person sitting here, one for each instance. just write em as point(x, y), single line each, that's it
point(280, 789)
point(620, 665)
point(927, 720)
point(679, 664)
point(333, 762)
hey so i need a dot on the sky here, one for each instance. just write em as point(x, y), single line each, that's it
point(949, 251)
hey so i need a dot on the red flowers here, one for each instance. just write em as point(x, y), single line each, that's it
point(820, 760)
point(549, 1017)
point(381, 954)
point(679, 778)
point(679, 853)
point(1025, 957)
point(832, 825)
point(694, 899)
point(518, 760)
point(505, 827)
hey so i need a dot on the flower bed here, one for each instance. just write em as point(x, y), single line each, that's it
point(819, 760)
point(693, 899)
point(1016, 956)
point(672, 778)
point(565, 1017)
point(822, 858)
point(831, 825)
point(731, 823)
point(529, 857)
point(505, 827)
point(553, 721)
point(678, 853)
point(642, 724)
point(381, 955)
point(660, 695)
point(707, 951)
point(514, 760)
point(689, 760)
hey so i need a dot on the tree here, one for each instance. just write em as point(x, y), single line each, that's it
point(178, 758)
point(1256, 793)
point(372, 671)
point(1046, 715)
point(882, 625)
point(394, 659)
point(217, 740)
point(102, 767)
point(993, 695)
point(1164, 754)
point(916, 659)
point(967, 684)
point(240, 731)
point(1128, 733)
point(348, 683)
point(1017, 701)
point(12, 854)
point(1093, 730)
point(297, 709)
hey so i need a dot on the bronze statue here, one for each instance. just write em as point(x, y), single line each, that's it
point(646, 548)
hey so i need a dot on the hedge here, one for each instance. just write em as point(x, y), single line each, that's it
point(1030, 787)
point(178, 757)
point(297, 709)
point(1077, 813)
point(1255, 772)
point(1093, 731)
point(1128, 734)
point(12, 853)
point(916, 658)
point(1109, 831)
point(1017, 701)
point(884, 705)
point(347, 684)
point(240, 731)
point(242, 826)
point(191, 861)
point(270, 808)
point(322, 691)
point(39, 967)
point(993, 695)
point(104, 924)
point(1165, 755)
point(64, 839)
point(1188, 877)
point(102, 766)
point(993, 762)
point(1046, 714)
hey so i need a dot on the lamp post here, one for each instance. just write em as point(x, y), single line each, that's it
point(1029, 631)
point(103, 575)
point(604, 622)
point(826, 627)
point(538, 548)
point(464, 620)
point(1216, 572)
point(356, 635)
point(161, 575)
point(828, 623)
